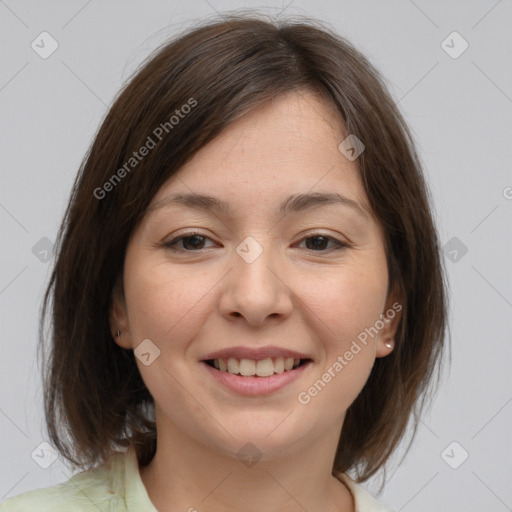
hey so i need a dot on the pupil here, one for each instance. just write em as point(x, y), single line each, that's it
point(320, 245)
point(196, 238)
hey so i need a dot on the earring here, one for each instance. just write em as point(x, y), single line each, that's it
point(389, 344)
point(118, 333)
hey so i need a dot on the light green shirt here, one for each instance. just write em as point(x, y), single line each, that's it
point(118, 488)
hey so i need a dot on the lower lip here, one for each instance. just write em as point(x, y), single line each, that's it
point(254, 386)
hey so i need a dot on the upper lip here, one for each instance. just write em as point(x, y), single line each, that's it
point(256, 354)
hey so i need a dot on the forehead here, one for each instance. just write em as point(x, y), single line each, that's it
point(290, 145)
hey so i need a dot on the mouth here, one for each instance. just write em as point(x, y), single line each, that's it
point(262, 368)
point(256, 377)
point(250, 371)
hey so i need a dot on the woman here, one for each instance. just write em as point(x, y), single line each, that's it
point(248, 298)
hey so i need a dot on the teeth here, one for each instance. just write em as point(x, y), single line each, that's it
point(233, 365)
point(262, 368)
point(247, 367)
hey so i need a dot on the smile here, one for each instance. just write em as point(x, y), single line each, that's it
point(260, 368)
point(253, 384)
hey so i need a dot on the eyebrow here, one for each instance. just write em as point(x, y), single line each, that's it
point(292, 204)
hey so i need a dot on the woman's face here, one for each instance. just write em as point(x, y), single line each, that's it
point(310, 277)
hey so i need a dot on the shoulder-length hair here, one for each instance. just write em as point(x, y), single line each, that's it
point(182, 97)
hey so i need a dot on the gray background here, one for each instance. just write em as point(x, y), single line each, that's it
point(460, 112)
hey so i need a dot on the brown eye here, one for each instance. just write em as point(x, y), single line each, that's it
point(319, 243)
point(187, 243)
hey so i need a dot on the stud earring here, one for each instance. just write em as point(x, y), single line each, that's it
point(118, 333)
point(388, 344)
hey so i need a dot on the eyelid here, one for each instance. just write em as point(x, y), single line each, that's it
point(337, 236)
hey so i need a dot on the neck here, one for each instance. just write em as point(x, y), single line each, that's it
point(188, 475)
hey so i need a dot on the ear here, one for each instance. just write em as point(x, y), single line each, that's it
point(118, 316)
point(390, 317)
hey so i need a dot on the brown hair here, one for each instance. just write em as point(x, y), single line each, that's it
point(95, 399)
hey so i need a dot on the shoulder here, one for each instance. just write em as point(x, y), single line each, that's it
point(363, 500)
point(93, 490)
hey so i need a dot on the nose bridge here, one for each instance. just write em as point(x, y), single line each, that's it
point(255, 289)
point(252, 262)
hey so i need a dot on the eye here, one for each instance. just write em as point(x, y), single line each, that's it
point(318, 243)
point(189, 242)
point(193, 242)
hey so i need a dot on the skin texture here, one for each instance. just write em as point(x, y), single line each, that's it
point(300, 293)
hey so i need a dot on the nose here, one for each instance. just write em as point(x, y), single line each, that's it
point(256, 290)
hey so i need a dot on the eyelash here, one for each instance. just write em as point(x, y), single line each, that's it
point(171, 244)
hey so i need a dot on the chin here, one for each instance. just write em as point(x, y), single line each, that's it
point(265, 439)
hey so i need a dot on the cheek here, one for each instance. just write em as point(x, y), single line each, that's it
point(343, 311)
point(164, 304)
point(346, 302)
